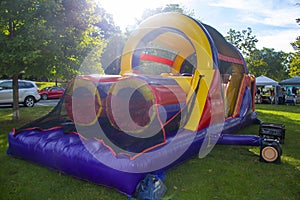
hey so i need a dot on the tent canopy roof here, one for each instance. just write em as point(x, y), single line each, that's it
point(263, 80)
point(291, 81)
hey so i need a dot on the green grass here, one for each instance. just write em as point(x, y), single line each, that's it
point(228, 172)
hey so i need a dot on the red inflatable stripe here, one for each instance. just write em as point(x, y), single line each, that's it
point(230, 59)
point(158, 59)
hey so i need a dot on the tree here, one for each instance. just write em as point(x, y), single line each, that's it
point(168, 8)
point(296, 44)
point(243, 40)
point(107, 25)
point(294, 69)
point(48, 38)
point(268, 62)
point(110, 59)
point(75, 36)
point(19, 41)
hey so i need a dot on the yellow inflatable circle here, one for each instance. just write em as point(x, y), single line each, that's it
point(130, 106)
point(86, 102)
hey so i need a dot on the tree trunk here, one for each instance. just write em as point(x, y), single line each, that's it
point(16, 114)
point(15, 84)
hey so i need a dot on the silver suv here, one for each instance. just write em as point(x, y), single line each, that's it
point(28, 92)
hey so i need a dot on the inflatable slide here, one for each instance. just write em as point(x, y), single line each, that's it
point(181, 89)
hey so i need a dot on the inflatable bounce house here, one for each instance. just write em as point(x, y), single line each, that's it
point(181, 89)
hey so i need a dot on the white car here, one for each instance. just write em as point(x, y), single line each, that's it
point(28, 92)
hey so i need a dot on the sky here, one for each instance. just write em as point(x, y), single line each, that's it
point(273, 22)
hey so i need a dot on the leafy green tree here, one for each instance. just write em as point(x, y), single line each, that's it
point(163, 9)
point(75, 37)
point(21, 35)
point(294, 69)
point(268, 62)
point(243, 40)
point(110, 59)
point(296, 44)
point(168, 8)
point(49, 38)
point(107, 25)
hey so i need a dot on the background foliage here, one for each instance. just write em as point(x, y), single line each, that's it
point(59, 39)
point(51, 38)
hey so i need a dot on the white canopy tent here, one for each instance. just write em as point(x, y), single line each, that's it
point(266, 85)
point(265, 81)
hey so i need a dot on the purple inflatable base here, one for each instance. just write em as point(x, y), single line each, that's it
point(66, 153)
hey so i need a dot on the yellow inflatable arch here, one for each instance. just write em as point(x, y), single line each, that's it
point(186, 37)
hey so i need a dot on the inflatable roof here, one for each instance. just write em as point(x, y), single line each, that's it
point(182, 88)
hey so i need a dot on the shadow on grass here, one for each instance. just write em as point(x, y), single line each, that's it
point(233, 172)
point(281, 108)
point(291, 120)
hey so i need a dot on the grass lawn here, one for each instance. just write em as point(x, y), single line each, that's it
point(228, 172)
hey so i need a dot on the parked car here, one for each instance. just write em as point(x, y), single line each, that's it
point(51, 92)
point(28, 92)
